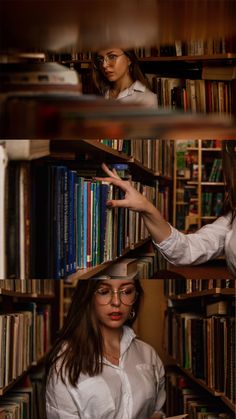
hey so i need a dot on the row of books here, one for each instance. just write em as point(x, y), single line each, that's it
point(174, 287)
point(118, 144)
point(25, 337)
point(210, 144)
point(193, 47)
point(177, 48)
point(58, 221)
point(216, 170)
point(24, 401)
point(184, 397)
point(205, 96)
point(212, 203)
point(192, 342)
point(39, 287)
point(155, 154)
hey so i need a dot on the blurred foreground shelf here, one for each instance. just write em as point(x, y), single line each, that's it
point(73, 116)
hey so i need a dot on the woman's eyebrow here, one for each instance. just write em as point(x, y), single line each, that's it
point(109, 52)
point(121, 286)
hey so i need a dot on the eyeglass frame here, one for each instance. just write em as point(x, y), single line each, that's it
point(118, 292)
point(100, 61)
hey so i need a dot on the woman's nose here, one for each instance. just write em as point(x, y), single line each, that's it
point(115, 299)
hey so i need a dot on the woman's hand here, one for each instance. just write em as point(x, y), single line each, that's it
point(133, 199)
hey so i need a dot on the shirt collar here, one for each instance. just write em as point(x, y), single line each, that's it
point(127, 338)
point(137, 86)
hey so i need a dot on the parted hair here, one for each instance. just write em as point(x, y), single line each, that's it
point(229, 170)
point(79, 344)
point(103, 84)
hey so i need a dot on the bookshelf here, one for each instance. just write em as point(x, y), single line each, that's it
point(198, 194)
point(27, 310)
point(71, 26)
point(200, 317)
point(46, 241)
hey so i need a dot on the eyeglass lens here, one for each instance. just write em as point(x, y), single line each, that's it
point(127, 295)
point(109, 59)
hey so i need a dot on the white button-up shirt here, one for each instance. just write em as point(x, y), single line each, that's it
point(135, 389)
point(137, 93)
point(207, 243)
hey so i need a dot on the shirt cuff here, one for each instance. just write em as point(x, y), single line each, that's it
point(167, 243)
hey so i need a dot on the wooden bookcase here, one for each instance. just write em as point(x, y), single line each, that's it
point(198, 189)
point(29, 322)
point(70, 26)
point(200, 341)
point(38, 248)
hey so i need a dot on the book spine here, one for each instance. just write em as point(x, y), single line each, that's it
point(85, 223)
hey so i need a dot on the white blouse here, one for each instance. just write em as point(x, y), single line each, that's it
point(137, 93)
point(207, 243)
point(135, 389)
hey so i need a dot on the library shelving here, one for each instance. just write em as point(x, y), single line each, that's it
point(198, 190)
point(57, 224)
point(29, 320)
point(67, 118)
point(200, 343)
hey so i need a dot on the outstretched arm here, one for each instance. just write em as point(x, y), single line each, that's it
point(158, 228)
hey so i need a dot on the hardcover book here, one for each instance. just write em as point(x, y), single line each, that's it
point(27, 149)
point(125, 267)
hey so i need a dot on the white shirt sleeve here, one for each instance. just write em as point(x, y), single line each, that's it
point(195, 248)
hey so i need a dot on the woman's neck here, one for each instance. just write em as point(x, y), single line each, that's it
point(111, 345)
point(120, 85)
point(111, 339)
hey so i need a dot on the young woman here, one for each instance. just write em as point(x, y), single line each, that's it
point(207, 243)
point(98, 368)
point(117, 75)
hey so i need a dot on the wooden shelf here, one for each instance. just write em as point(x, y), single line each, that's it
point(212, 183)
point(4, 390)
point(74, 117)
point(191, 58)
point(205, 271)
point(202, 384)
point(204, 293)
point(87, 273)
point(25, 295)
point(70, 25)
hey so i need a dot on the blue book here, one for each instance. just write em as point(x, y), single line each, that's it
point(103, 214)
point(120, 227)
point(66, 220)
point(93, 222)
point(98, 223)
point(71, 219)
point(57, 222)
point(85, 223)
point(80, 193)
point(75, 222)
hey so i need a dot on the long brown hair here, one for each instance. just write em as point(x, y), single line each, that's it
point(229, 170)
point(103, 84)
point(79, 345)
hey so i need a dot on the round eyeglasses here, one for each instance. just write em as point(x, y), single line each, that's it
point(109, 59)
point(127, 295)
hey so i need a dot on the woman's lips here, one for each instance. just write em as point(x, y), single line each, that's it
point(115, 316)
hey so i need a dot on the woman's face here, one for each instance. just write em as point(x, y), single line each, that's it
point(113, 301)
point(113, 63)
